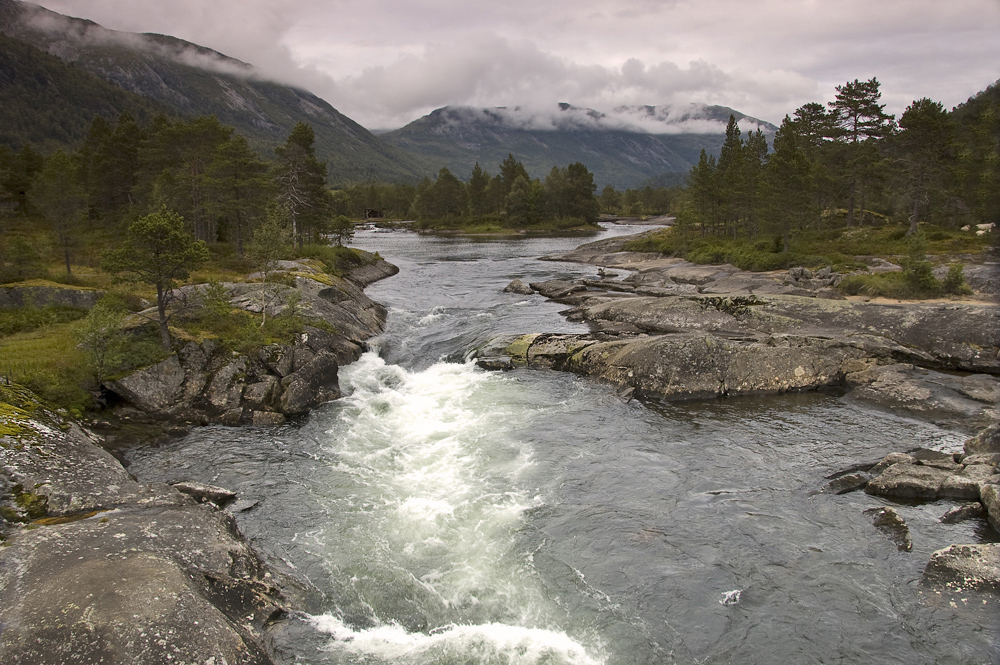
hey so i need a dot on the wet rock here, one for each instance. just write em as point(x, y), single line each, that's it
point(924, 391)
point(909, 481)
point(266, 418)
point(960, 514)
point(517, 286)
point(203, 493)
point(892, 524)
point(850, 482)
point(243, 505)
point(261, 394)
point(935, 458)
point(965, 567)
point(889, 460)
point(371, 273)
point(557, 288)
point(987, 441)
point(311, 385)
point(989, 495)
point(987, 459)
point(226, 387)
point(960, 487)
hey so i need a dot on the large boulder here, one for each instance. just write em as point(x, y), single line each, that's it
point(48, 293)
point(909, 481)
point(890, 522)
point(989, 494)
point(154, 388)
point(965, 567)
point(970, 399)
point(310, 386)
point(985, 442)
point(113, 571)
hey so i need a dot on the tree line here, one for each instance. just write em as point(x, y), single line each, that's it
point(850, 163)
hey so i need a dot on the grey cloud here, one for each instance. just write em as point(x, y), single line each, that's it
point(385, 62)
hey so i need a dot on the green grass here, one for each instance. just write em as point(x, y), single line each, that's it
point(26, 319)
point(494, 226)
point(48, 362)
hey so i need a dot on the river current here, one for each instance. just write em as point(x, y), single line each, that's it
point(439, 513)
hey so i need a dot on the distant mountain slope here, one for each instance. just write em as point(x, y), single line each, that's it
point(194, 80)
point(50, 104)
point(623, 148)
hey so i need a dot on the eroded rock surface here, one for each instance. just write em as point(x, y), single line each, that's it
point(97, 568)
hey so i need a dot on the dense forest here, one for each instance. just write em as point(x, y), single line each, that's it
point(849, 164)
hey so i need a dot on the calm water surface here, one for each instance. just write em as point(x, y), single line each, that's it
point(441, 514)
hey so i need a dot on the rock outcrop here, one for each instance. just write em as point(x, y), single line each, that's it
point(96, 567)
point(203, 382)
point(675, 330)
point(40, 293)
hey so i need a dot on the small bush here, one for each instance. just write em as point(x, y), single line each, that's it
point(954, 282)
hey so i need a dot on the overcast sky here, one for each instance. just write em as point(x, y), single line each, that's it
point(387, 62)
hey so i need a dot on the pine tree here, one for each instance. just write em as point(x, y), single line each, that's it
point(859, 118)
point(301, 182)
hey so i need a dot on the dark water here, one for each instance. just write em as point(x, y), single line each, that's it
point(443, 514)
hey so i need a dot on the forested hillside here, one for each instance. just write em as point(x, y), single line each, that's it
point(50, 104)
point(191, 80)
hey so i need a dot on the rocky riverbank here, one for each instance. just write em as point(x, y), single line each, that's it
point(971, 478)
point(674, 330)
point(96, 567)
point(204, 382)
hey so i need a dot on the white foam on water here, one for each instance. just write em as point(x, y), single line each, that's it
point(731, 597)
point(485, 643)
point(434, 316)
point(428, 495)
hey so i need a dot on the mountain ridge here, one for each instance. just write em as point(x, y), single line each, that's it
point(195, 80)
point(624, 148)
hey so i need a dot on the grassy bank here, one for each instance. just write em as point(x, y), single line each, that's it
point(842, 249)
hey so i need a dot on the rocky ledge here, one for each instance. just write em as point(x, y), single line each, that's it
point(674, 330)
point(203, 382)
point(98, 568)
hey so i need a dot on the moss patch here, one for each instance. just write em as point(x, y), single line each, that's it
point(518, 349)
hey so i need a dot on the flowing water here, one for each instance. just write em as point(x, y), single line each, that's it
point(443, 514)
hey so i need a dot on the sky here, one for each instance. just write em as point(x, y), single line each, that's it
point(385, 63)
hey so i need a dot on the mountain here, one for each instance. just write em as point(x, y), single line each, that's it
point(624, 148)
point(193, 80)
point(50, 104)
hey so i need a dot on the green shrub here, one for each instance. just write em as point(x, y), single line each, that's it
point(954, 282)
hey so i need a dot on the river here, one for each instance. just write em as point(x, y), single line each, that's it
point(439, 513)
